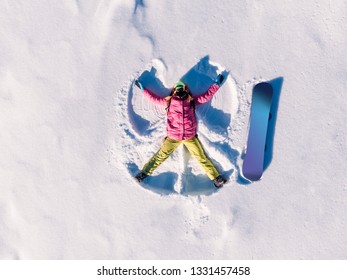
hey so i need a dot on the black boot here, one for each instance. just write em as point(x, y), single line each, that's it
point(141, 176)
point(219, 181)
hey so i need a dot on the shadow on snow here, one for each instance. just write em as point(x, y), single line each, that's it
point(270, 136)
point(162, 184)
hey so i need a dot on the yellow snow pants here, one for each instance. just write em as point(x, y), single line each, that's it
point(194, 147)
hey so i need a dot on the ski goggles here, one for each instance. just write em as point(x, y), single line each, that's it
point(182, 94)
point(180, 88)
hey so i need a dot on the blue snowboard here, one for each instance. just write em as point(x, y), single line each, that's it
point(253, 164)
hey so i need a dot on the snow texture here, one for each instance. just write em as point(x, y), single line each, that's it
point(74, 129)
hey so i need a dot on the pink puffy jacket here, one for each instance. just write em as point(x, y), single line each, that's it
point(181, 120)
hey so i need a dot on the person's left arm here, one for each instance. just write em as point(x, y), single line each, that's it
point(207, 96)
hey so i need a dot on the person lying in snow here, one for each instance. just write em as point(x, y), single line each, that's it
point(181, 128)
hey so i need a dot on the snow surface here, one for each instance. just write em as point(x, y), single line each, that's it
point(74, 129)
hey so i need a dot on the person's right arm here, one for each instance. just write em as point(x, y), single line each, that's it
point(154, 98)
point(151, 96)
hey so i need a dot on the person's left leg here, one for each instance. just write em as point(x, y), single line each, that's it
point(195, 148)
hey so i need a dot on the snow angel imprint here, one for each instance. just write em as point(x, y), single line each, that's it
point(181, 128)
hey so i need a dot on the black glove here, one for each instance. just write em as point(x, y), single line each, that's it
point(219, 80)
point(139, 85)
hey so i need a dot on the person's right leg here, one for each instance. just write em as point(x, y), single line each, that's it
point(165, 151)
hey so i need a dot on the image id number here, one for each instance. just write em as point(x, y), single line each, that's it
point(224, 270)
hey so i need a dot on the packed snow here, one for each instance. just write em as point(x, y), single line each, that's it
point(75, 129)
